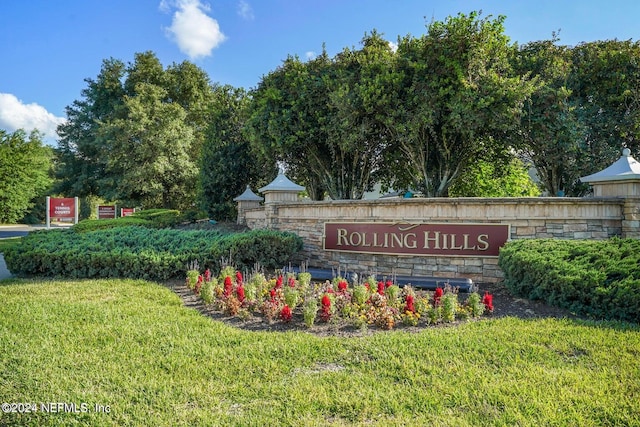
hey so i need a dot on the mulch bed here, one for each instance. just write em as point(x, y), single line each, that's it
point(504, 305)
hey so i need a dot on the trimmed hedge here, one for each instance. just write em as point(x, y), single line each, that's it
point(138, 252)
point(150, 218)
point(597, 278)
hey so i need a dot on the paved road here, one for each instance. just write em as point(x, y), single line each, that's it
point(4, 273)
point(7, 231)
point(5, 234)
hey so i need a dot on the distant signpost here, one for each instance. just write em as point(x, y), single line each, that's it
point(106, 211)
point(127, 211)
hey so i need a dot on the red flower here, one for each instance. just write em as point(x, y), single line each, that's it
point(410, 304)
point(279, 282)
point(292, 282)
point(388, 283)
point(487, 300)
point(228, 286)
point(326, 301)
point(198, 286)
point(437, 295)
point(342, 285)
point(367, 285)
point(207, 275)
point(240, 292)
point(325, 311)
point(285, 313)
point(381, 288)
point(238, 277)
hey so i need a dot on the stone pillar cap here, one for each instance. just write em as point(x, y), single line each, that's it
point(625, 168)
point(248, 196)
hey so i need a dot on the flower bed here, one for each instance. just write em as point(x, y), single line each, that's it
point(293, 297)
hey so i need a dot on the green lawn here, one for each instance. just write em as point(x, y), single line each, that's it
point(132, 346)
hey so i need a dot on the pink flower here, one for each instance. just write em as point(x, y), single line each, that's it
point(292, 282)
point(207, 275)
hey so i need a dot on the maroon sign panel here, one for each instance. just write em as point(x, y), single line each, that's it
point(127, 211)
point(106, 212)
point(62, 207)
point(416, 239)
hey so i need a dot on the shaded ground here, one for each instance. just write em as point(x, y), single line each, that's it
point(504, 305)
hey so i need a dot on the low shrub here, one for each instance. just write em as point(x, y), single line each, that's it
point(150, 218)
point(597, 278)
point(138, 252)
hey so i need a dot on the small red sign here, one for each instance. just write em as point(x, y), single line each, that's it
point(127, 211)
point(442, 239)
point(62, 207)
point(106, 212)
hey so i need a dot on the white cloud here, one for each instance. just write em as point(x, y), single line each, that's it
point(310, 55)
point(14, 115)
point(195, 32)
point(393, 46)
point(245, 10)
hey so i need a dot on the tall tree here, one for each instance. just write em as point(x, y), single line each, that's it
point(91, 146)
point(361, 100)
point(456, 93)
point(550, 134)
point(228, 164)
point(321, 118)
point(149, 152)
point(605, 84)
point(25, 172)
point(81, 153)
point(288, 120)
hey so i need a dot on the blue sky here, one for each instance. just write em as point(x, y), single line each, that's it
point(48, 48)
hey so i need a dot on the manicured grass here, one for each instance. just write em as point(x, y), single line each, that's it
point(132, 345)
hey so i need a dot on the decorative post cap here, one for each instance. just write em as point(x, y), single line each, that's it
point(623, 169)
point(281, 183)
point(248, 196)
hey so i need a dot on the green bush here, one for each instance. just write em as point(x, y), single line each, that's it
point(138, 252)
point(150, 218)
point(590, 277)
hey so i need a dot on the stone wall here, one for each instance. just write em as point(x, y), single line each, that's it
point(563, 218)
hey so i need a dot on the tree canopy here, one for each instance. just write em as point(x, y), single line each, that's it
point(437, 113)
point(25, 166)
point(137, 134)
point(227, 163)
point(414, 117)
